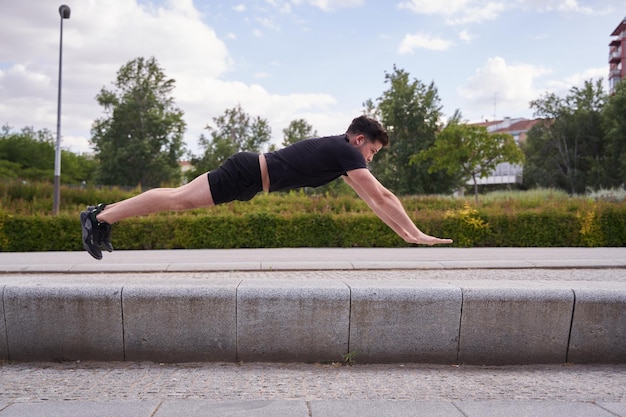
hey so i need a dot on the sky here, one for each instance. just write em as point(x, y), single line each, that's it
point(288, 59)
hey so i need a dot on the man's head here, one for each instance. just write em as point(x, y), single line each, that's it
point(368, 136)
point(370, 128)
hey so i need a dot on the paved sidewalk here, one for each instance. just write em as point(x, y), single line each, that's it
point(315, 259)
point(142, 389)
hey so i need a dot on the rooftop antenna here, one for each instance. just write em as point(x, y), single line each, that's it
point(495, 95)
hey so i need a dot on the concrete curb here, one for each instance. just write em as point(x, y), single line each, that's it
point(312, 320)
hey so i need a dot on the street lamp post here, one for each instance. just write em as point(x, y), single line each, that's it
point(64, 11)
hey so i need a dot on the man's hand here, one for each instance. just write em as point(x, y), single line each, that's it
point(387, 206)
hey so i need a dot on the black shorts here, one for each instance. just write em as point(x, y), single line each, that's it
point(238, 178)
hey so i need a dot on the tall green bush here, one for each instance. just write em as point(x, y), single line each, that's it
point(297, 220)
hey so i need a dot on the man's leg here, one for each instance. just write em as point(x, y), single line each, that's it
point(195, 194)
point(96, 220)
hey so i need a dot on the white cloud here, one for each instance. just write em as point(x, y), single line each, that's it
point(285, 9)
point(422, 41)
point(268, 23)
point(508, 88)
point(465, 36)
point(445, 8)
point(456, 12)
point(101, 37)
point(574, 6)
point(329, 5)
point(239, 8)
point(459, 12)
point(283, 6)
point(478, 14)
point(561, 87)
point(98, 39)
point(278, 109)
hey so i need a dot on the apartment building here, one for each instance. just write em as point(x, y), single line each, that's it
point(506, 173)
point(617, 55)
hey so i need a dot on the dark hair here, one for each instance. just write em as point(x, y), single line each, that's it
point(369, 127)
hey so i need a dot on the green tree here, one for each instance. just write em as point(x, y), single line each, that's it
point(140, 140)
point(234, 131)
point(29, 155)
point(410, 111)
point(297, 130)
point(471, 151)
point(568, 149)
point(614, 121)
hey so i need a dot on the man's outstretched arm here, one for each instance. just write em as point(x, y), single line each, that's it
point(388, 207)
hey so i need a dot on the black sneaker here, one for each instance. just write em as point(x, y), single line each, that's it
point(89, 231)
point(105, 229)
point(103, 234)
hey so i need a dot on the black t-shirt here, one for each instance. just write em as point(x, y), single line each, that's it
point(312, 162)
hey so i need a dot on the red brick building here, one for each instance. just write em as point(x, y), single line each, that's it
point(617, 55)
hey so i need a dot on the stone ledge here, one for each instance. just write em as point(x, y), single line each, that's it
point(313, 320)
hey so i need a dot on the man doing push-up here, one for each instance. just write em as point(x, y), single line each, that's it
point(308, 163)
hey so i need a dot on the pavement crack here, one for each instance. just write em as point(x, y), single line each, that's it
point(123, 323)
point(460, 411)
point(571, 326)
point(156, 409)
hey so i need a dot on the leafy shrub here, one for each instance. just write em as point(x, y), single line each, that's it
point(294, 219)
point(468, 226)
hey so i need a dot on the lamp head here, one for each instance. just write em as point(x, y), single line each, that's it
point(64, 11)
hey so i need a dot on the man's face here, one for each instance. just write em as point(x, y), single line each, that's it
point(367, 148)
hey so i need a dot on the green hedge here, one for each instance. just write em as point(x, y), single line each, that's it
point(595, 225)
